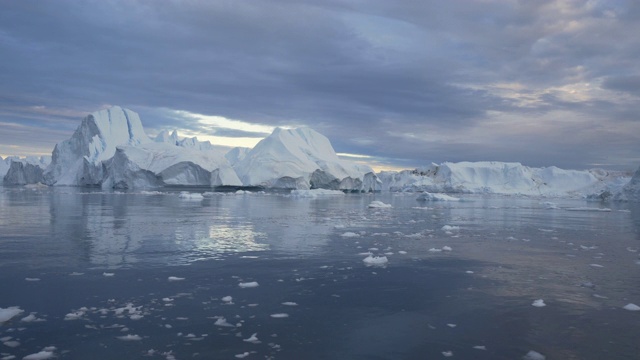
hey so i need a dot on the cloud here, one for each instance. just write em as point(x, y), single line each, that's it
point(406, 81)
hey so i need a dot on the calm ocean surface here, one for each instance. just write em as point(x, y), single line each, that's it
point(153, 276)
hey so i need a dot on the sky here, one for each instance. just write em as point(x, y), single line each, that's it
point(396, 84)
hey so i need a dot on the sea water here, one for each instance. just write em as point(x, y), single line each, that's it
point(156, 275)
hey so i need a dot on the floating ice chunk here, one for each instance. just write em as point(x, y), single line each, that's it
point(469, 272)
point(32, 279)
point(290, 303)
point(402, 252)
point(446, 248)
point(435, 250)
point(74, 315)
point(136, 317)
point(227, 299)
point(596, 265)
point(242, 356)
point(447, 353)
point(450, 228)
point(436, 197)
point(40, 355)
point(8, 313)
point(630, 249)
point(279, 315)
point(452, 325)
point(253, 339)
point(375, 260)
point(550, 205)
point(379, 205)
point(539, 303)
point(588, 209)
point(222, 322)
point(315, 193)
point(108, 274)
point(349, 234)
point(480, 347)
point(190, 196)
point(11, 343)
point(129, 337)
point(534, 355)
point(631, 307)
point(250, 284)
point(31, 318)
point(76, 273)
point(175, 278)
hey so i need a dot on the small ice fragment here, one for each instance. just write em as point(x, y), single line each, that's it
point(534, 355)
point(11, 343)
point(280, 315)
point(32, 279)
point(39, 356)
point(29, 318)
point(251, 284)
point(289, 303)
point(402, 252)
point(136, 317)
point(222, 322)
point(253, 339)
point(76, 273)
point(539, 303)
point(107, 274)
point(227, 299)
point(469, 272)
point(350, 234)
point(129, 337)
point(446, 248)
point(480, 347)
point(7, 313)
point(435, 250)
point(242, 356)
point(375, 260)
point(447, 353)
point(452, 325)
point(74, 315)
point(175, 278)
point(190, 196)
point(379, 205)
point(631, 307)
point(596, 265)
point(450, 228)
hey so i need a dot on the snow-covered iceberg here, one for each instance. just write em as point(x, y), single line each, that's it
point(24, 171)
point(496, 178)
point(163, 164)
point(302, 159)
point(78, 160)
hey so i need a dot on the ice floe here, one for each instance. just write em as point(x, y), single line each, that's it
point(253, 339)
point(379, 205)
point(175, 278)
point(436, 197)
point(42, 355)
point(539, 303)
point(7, 313)
point(190, 196)
point(280, 315)
point(129, 337)
point(631, 307)
point(375, 260)
point(250, 284)
point(534, 355)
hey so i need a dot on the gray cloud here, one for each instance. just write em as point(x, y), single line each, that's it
point(355, 72)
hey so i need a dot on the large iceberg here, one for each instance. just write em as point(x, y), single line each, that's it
point(78, 160)
point(24, 171)
point(497, 178)
point(630, 191)
point(163, 164)
point(302, 158)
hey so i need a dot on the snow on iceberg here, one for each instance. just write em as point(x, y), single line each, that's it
point(78, 160)
point(302, 159)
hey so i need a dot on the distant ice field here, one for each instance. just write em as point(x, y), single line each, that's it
point(188, 274)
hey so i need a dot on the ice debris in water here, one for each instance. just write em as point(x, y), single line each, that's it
point(130, 337)
point(379, 205)
point(280, 315)
point(631, 307)
point(539, 303)
point(222, 322)
point(447, 353)
point(108, 274)
point(350, 234)
point(44, 354)
point(375, 260)
point(253, 339)
point(190, 196)
point(534, 355)
point(450, 228)
point(8, 313)
point(436, 197)
point(250, 284)
point(227, 299)
point(242, 356)
point(175, 278)
point(480, 347)
point(32, 279)
point(289, 303)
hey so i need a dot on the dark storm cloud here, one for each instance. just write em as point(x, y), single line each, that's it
point(360, 73)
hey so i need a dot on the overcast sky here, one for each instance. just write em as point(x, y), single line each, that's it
point(406, 83)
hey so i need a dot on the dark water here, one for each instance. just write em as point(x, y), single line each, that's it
point(57, 246)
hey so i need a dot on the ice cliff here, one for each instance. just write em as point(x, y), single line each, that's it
point(629, 192)
point(497, 178)
point(23, 171)
point(302, 159)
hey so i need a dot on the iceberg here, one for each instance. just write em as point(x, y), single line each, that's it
point(302, 159)
point(161, 164)
point(78, 160)
point(630, 191)
point(24, 171)
point(493, 177)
